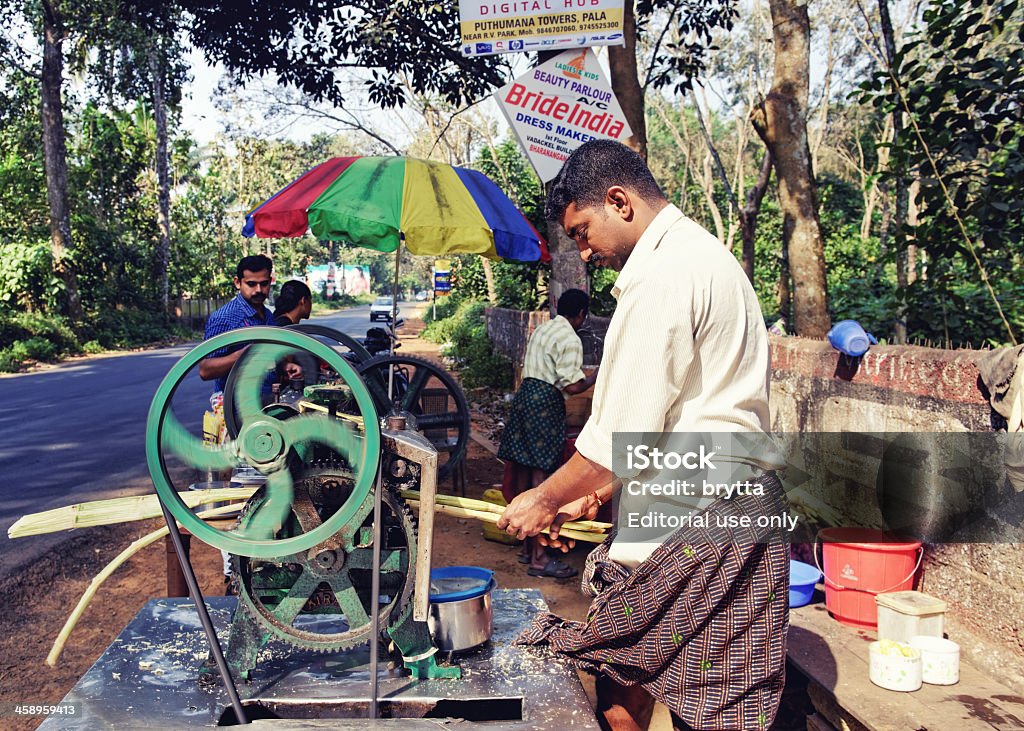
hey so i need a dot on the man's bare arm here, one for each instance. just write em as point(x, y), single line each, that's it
point(581, 385)
point(534, 510)
point(219, 366)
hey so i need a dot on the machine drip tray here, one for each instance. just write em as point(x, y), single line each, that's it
point(459, 709)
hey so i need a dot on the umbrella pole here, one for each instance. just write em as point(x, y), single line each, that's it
point(394, 326)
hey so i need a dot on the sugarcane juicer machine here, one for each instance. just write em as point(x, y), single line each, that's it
point(311, 565)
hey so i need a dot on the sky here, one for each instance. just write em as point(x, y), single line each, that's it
point(204, 121)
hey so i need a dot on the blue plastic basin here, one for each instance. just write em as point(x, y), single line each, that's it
point(455, 583)
point(802, 578)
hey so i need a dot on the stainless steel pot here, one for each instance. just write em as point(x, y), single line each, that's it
point(462, 624)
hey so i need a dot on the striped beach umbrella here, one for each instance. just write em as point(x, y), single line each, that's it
point(380, 202)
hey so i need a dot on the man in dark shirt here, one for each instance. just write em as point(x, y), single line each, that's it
point(253, 277)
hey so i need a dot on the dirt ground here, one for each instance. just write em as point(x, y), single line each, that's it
point(36, 602)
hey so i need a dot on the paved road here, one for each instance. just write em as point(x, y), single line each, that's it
point(76, 432)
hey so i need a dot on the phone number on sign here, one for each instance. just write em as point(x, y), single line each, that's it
point(38, 709)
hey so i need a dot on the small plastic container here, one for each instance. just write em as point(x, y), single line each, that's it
point(894, 671)
point(906, 614)
point(802, 578)
point(940, 660)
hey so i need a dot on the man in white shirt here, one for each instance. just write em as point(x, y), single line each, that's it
point(686, 351)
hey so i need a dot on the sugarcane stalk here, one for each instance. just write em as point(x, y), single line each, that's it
point(488, 517)
point(116, 510)
point(589, 526)
point(98, 579)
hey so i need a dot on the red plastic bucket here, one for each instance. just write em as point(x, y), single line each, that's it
point(859, 563)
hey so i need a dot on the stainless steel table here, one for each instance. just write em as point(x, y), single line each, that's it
point(147, 678)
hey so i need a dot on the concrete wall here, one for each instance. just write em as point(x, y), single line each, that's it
point(816, 390)
point(912, 389)
point(509, 330)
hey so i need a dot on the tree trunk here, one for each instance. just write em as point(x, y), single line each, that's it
point(626, 81)
point(567, 268)
point(492, 294)
point(781, 121)
point(163, 187)
point(785, 288)
point(748, 216)
point(55, 159)
point(900, 189)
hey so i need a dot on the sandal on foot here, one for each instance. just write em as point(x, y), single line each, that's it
point(555, 569)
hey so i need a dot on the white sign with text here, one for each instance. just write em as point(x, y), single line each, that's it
point(557, 106)
point(538, 25)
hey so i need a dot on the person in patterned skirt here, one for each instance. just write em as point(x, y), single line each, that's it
point(534, 436)
point(696, 619)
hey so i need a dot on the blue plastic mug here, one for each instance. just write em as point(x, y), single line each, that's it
point(849, 337)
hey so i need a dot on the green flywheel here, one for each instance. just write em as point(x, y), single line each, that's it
point(265, 442)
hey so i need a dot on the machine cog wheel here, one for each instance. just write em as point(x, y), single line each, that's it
point(331, 580)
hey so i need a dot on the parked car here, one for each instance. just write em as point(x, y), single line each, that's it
point(381, 308)
point(421, 296)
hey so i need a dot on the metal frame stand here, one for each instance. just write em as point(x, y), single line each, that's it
point(204, 616)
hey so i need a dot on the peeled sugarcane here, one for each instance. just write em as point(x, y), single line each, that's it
point(586, 526)
point(117, 510)
point(98, 579)
point(489, 517)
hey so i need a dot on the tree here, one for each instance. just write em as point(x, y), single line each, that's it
point(903, 267)
point(55, 151)
point(781, 121)
point(960, 85)
point(305, 42)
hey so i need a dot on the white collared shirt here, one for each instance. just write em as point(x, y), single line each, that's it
point(686, 350)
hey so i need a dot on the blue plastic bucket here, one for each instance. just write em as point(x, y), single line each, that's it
point(802, 578)
point(455, 583)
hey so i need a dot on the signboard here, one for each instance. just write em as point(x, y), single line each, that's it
point(538, 25)
point(342, 278)
point(557, 106)
point(442, 276)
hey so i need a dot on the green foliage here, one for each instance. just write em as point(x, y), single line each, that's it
point(440, 320)
point(861, 281)
point(511, 171)
point(23, 213)
point(205, 245)
point(339, 300)
point(26, 337)
point(469, 348)
point(129, 328)
point(601, 301)
point(27, 281)
point(516, 284)
point(962, 78)
point(113, 207)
